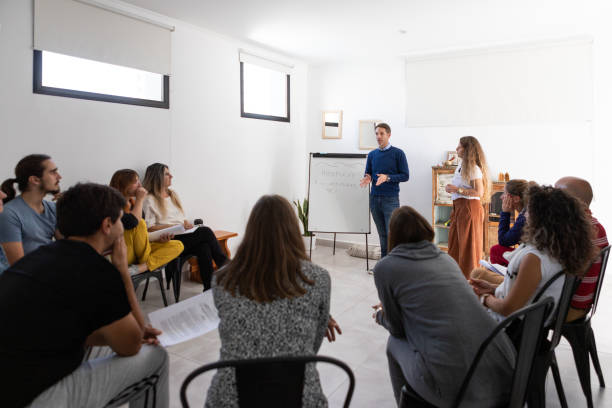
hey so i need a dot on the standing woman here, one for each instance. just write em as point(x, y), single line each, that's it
point(271, 300)
point(163, 209)
point(469, 189)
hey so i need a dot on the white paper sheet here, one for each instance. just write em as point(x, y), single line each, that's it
point(175, 229)
point(186, 320)
point(497, 268)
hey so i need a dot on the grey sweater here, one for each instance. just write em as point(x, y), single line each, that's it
point(428, 304)
point(285, 327)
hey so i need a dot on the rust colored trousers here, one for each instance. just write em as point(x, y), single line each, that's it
point(465, 235)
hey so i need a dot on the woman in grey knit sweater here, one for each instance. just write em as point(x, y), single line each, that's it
point(435, 322)
point(271, 301)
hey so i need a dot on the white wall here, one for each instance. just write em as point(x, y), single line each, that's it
point(87, 139)
point(222, 163)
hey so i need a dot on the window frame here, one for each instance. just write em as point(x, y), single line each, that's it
point(39, 88)
point(244, 114)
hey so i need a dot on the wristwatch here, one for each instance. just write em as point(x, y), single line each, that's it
point(460, 190)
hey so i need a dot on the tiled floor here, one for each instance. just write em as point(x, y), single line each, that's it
point(362, 344)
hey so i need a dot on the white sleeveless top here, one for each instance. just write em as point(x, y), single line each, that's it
point(548, 268)
point(458, 181)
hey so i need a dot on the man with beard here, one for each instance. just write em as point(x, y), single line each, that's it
point(28, 221)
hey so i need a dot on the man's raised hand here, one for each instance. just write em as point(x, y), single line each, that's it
point(367, 179)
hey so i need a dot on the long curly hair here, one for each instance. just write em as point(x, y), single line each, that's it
point(473, 156)
point(558, 223)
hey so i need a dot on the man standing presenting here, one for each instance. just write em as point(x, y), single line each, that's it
point(386, 167)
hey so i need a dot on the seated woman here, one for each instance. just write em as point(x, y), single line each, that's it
point(427, 350)
point(557, 237)
point(163, 209)
point(142, 254)
point(271, 300)
point(513, 200)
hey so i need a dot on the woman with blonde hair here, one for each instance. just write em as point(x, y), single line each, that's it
point(469, 190)
point(271, 300)
point(163, 209)
point(142, 255)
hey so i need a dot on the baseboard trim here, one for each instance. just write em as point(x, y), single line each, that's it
point(327, 242)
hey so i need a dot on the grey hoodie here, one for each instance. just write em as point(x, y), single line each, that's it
point(431, 309)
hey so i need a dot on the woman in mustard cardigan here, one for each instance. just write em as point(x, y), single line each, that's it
point(143, 255)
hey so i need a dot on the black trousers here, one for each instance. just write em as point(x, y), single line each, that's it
point(204, 245)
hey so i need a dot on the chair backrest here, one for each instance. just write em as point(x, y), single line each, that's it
point(604, 254)
point(531, 320)
point(569, 287)
point(270, 382)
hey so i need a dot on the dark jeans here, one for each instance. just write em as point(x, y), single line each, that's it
point(203, 244)
point(381, 208)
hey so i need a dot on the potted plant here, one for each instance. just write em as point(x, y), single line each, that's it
point(303, 216)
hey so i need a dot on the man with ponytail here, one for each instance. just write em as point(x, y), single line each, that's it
point(28, 221)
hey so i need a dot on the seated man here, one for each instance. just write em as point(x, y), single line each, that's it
point(65, 296)
point(583, 297)
point(28, 221)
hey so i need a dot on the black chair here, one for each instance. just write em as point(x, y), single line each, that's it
point(546, 357)
point(174, 269)
point(146, 387)
point(530, 320)
point(274, 382)
point(157, 274)
point(579, 334)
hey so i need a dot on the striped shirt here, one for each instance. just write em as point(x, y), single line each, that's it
point(583, 297)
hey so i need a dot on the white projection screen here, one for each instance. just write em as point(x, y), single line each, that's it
point(543, 82)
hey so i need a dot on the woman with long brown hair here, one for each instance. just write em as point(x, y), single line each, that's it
point(142, 254)
point(557, 236)
point(427, 350)
point(163, 209)
point(271, 300)
point(469, 190)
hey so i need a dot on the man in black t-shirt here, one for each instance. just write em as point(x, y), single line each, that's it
point(63, 297)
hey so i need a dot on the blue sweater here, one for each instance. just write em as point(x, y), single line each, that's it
point(507, 236)
point(391, 162)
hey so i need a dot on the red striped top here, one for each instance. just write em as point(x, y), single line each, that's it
point(583, 297)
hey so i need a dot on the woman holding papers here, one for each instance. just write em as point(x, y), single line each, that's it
point(142, 254)
point(432, 342)
point(557, 237)
point(163, 209)
point(271, 300)
point(469, 187)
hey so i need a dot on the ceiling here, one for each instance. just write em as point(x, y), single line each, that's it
point(319, 31)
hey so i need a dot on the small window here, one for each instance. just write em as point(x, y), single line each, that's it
point(264, 93)
point(63, 75)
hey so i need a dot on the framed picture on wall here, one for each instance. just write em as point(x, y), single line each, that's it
point(367, 134)
point(453, 157)
point(332, 124)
